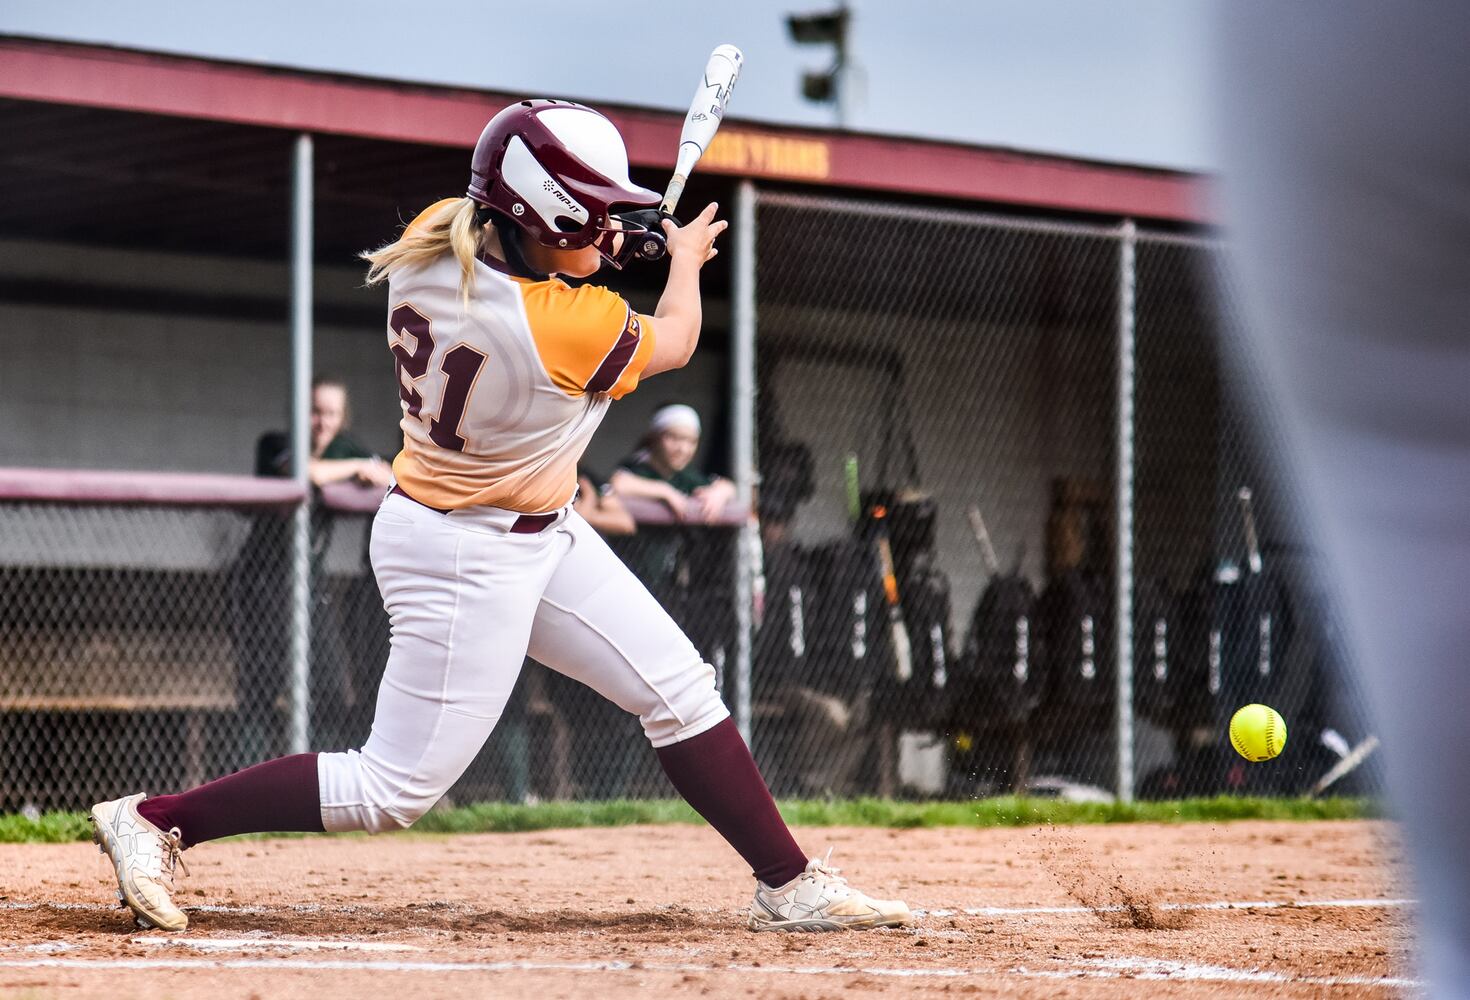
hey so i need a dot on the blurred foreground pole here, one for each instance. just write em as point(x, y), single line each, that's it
point(1348, 193)
point(1127, 267)
point(742, 442)
point(301, 334)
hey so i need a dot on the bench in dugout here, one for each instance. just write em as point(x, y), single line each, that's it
point(121, 629)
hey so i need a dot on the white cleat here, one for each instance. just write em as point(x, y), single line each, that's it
point(819, 899)
point(144, 857)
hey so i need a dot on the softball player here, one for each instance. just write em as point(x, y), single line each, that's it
point(504, 372)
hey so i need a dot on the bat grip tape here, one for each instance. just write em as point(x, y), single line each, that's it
point(672, 193)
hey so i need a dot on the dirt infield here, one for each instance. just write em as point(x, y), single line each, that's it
point(1227, 910)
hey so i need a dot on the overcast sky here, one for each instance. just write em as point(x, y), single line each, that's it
point(1116, 80)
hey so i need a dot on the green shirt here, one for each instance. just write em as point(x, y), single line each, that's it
point(273, 452)
point(273, 458)
point(686, 480)
point(654, 553)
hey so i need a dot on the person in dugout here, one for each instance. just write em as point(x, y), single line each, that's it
point(259, 585)
point(661, 469)
point(335, 454)
point(675, 565)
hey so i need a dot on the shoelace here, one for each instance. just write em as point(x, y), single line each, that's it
point(826, 868)
point(173, 854)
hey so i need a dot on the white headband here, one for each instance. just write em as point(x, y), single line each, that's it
point(674, 415)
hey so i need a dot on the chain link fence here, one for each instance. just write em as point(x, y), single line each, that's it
point(1229, 606)
point(936, 594)
point(946, 383)
point(938, 425)
point(140, 645)
point(146, 645)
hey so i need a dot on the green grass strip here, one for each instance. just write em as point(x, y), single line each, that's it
point(500, 817)
point(1016, 811)
point(48, 828)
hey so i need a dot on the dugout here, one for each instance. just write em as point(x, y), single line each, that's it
point(150, 225)
point(949, 313)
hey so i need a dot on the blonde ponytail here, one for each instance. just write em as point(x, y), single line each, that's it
point(446, 226)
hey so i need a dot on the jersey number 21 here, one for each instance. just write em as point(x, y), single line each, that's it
point(460, 365)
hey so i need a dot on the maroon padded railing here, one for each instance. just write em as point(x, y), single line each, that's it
point(651, 512)
point(107, 486)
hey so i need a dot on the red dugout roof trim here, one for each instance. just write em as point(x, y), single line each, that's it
point(299, 100)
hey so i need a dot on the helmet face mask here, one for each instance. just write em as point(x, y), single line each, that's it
point(636, 236)
point(556, 171)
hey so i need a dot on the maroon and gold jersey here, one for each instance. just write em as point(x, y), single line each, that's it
point(501, 398)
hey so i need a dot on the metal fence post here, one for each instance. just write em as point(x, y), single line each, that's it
point(1127, 275)
point(301, 363)
point(742, 443)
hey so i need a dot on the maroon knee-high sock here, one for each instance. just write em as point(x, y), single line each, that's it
point(278, 796)
point(717, 776)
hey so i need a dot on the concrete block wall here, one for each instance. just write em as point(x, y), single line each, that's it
point(126, 359)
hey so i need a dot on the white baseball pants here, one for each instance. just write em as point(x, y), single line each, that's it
point(467, 599)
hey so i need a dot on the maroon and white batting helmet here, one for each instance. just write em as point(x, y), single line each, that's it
point(555, 170)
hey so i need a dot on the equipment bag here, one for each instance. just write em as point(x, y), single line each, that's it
point(1156, 667)
point(998, 679)
point(848, 643)
point(1074, 614)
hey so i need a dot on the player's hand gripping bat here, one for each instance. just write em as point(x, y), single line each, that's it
point(701, 122)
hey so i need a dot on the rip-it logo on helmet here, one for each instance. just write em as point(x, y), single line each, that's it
point(561, 196)
point(545, 196)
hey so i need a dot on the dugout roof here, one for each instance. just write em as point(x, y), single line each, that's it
point(131, 148)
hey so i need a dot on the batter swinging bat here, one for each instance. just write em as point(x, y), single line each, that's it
point(705, 114)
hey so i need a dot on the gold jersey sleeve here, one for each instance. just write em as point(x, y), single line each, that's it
point(589, 338)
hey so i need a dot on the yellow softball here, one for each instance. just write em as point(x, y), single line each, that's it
point(1257, 732)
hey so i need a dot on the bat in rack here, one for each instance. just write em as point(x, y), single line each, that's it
point(702, 121)
point(1346, 766)
point(1252, 541)
point(982, 539)
point(903, 652)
